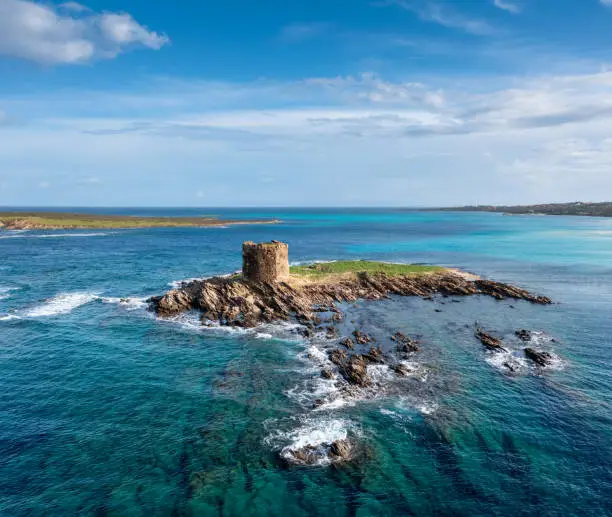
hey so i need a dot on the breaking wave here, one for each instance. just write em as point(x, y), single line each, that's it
point(5, 292)
point(313, 433)
point(63, 303)
point(130, 303)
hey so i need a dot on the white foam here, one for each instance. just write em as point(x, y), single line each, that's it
point(380, 373)
point(499, 360)
point(412, 369)
point(5, 292)
point(309, 262)
point(428, 408)
point(54, 235)
point(9, 317)
point(131, 303)
point(63, 303)
point(313, 433)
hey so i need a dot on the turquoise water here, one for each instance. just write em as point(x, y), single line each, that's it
point(105, 410)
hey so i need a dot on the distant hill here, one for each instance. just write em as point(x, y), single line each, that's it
point(575, 208)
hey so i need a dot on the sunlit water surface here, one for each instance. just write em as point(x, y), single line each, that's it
point(105, 410)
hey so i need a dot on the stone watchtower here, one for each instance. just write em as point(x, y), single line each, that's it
point(266, 262)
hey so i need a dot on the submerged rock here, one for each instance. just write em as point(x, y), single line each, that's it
point(348, 343)
point(540, 358)
point(523, 335)
point(361, 338)
point(404, 343)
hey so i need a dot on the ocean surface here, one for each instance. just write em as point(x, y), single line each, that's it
point(106, 410)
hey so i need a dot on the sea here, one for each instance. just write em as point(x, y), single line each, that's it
point(107, 410)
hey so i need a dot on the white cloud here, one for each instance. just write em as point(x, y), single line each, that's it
point(607, 3)
point(74, 6)
point(443, 15)
point(512, 8)
point(528, 140)
point(122, 29)
point(41, 33)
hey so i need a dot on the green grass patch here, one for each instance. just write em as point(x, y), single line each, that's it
point(361, 266)
point(54, 220)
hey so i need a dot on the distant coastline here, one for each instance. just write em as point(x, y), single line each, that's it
point(576, 208)
point(74, 221)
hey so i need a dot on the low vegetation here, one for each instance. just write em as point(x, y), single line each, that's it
point(61, 220)
point(341, 267)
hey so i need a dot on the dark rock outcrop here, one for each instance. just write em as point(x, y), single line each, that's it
point(491, 342)
point(539, 358)
point(339, 450)
point(361, 338)
point(348, 343)
point(404, 343)
point(523, 335)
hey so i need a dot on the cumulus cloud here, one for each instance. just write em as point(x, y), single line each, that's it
point(69, 34)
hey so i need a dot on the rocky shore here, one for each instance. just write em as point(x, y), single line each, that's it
point(236, 302)
point(352, 361)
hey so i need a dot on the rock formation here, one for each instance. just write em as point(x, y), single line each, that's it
point(266, 292)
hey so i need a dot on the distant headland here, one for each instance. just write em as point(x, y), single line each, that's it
point(73, 221)
point(574, 208)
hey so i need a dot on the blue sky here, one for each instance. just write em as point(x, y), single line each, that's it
point(336, 102)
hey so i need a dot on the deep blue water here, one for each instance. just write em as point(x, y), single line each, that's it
point(105, 410)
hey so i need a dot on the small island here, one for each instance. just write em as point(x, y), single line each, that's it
point(269, 290)
point(74, 221)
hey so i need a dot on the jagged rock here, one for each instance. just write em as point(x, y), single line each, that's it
point(234, 301)
point(540, 358)
point(327, 373)
point(491, 342)
point(400, 369)
point(340, 449)
point(337, 317)
point(523, 335)
point(375, 355)
point(306, 332)
point(348, 343)
point(354, 370)
point(337, 356)
point(361, 338)
point(331, 332)
point(317, 403)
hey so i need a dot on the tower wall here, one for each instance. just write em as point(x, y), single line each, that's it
point(265, 261)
